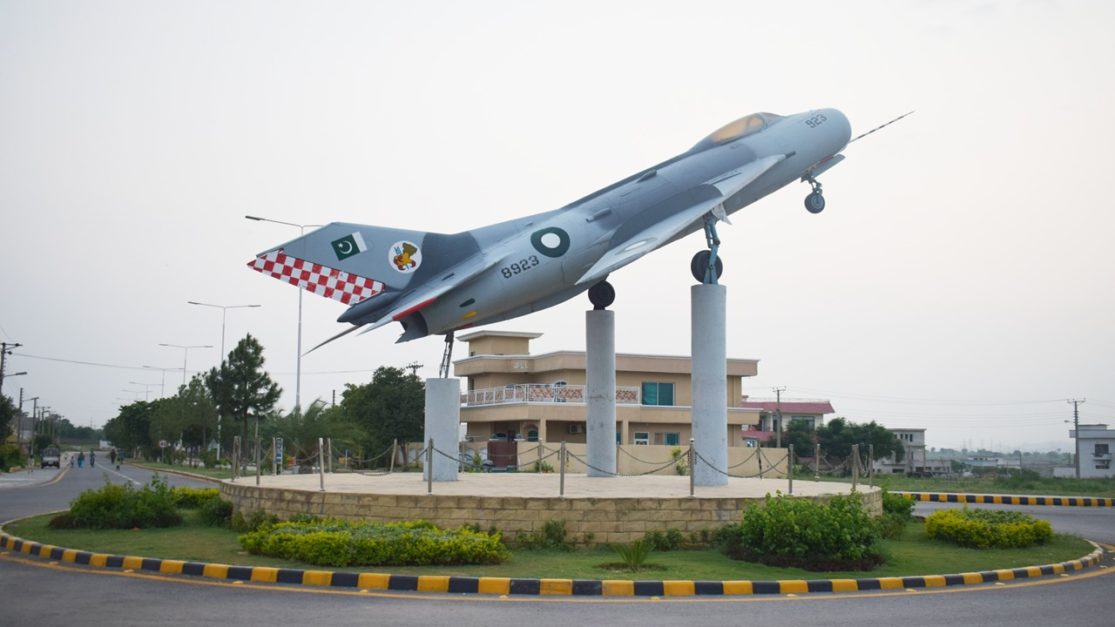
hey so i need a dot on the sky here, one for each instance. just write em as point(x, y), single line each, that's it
point(960, 280)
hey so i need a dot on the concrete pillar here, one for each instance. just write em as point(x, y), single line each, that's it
point(600, 390)
point(710, 384)
point(443, 417)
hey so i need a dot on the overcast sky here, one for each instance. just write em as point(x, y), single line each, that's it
point(962, 278)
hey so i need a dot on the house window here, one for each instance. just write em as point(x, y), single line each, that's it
point(642, 437)
point(1101, 450)
point(808, 421)
point(673, 439)
point(655, 393)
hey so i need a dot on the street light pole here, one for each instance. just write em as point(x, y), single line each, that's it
point(224, 316)
point(185, 354)
point(298, 362)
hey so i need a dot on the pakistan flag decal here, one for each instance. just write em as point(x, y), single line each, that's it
point(349, 245)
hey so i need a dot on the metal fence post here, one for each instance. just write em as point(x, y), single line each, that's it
point(329, 452)
point(759, 456)
point(561, 462)
point(871, 465)
point(855, 466)
point(321, 463)
point(394, 454)
point(692, 455)
point(274, 464)
point(817, 461)
point(430, 467)
point(790, 467)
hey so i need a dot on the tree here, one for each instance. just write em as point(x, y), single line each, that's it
point(391, 407)
point(838, 436)
point(300, 431)
point(189, 416)
point(241, 388)
point(7, 415)
point(801, 435)
point(130, 430)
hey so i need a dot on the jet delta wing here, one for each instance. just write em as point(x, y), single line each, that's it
point(434, 283)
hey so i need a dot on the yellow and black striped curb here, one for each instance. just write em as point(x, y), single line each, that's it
point(1002, 499)
point(536, 587)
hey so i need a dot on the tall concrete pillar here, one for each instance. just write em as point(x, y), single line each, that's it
point(443, 419)
point(710, 384)
point(600, 388)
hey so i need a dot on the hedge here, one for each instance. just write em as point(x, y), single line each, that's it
point(985, 528)
point(334, 542)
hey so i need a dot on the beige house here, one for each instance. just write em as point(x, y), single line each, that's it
point(515, 396)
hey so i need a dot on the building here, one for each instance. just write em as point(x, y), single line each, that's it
point(512, 395)
point(1095, 442)
point(914, 460)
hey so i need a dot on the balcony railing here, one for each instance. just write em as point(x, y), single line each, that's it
point(541, 393)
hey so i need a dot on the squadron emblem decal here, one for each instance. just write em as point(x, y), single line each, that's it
point(551, 241)
point(405, 256)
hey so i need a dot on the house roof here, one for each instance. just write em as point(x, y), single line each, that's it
point(790, 406)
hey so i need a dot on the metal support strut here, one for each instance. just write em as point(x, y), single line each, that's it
point(713, 242)
point(446, 357)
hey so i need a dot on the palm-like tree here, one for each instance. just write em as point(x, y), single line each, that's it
point(300, 431)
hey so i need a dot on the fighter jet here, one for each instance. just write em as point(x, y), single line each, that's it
point(434, 283)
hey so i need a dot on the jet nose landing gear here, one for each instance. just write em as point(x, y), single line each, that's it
point(815, 202)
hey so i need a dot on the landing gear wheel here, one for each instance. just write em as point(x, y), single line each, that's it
point(699, 265)
point(815, 202)
point(601, 295)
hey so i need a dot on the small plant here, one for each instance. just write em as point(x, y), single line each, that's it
point(897, 512)
point(681, 464)
point(216, 512)
point(543, 467)
point(552, 536)
point(634, 556)
point(254, 521)
point(668, 540)
point(193, 498)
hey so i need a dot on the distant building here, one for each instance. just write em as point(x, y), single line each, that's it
point(914, 459)
point(514, 395)
point(1095, 444)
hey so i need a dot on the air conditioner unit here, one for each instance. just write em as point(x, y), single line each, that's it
point(576, 427)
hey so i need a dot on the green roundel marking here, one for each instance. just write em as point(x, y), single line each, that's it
point(552, 241)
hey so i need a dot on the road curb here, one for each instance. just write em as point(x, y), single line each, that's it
point(1005, 499)
point(530, 587)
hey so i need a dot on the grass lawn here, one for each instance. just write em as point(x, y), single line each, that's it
point(911, 554)
point(216, 473)
point(1047, 486)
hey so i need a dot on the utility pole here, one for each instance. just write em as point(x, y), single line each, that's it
point(778, 413)
point(1076, 429)
point(5, 350)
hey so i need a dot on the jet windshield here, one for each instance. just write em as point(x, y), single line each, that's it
point(742, 127)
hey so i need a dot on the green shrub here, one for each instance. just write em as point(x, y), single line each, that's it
point(10, 455)
point(552, 536)
point(122, 507)
point(193, 498)
point(985, 528)
point(898, 504)
point(668, 540)
point(786, 531)
point(253, 521)
point(634, 555)
point(346, 543)
point(216, 512)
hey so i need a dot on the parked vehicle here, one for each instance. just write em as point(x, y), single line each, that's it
point(51, 457)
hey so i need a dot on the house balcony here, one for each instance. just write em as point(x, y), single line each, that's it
point(541, 393)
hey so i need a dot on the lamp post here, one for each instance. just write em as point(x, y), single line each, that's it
point(146, 388)
point(162, 384)
point(185, 354)
point(298, 362)
point(224, 315)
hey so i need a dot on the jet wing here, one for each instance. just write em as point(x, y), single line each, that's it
point(661, 231)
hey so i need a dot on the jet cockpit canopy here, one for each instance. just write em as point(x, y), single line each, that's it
point(747, 125)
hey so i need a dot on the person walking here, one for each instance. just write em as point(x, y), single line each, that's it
point(112, 458)
point(92, 458)
point(81, 459)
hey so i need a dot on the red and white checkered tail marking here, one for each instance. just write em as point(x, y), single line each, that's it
point(329, 282)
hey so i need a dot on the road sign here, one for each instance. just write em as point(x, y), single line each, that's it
point(279, 452)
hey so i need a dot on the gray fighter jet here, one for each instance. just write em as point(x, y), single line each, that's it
point(437, 283)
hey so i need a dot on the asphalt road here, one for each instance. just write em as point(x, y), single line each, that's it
point(32, 592)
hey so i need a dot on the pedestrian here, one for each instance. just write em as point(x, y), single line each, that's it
point(112, 458)
point(81, 459)
point(92, 458)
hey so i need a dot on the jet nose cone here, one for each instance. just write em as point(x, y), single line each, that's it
point(841, 128)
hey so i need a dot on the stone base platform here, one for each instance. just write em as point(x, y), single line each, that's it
point(596, 510)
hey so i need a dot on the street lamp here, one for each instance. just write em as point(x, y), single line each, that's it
point(298, 363)
point(162, 385)
point(146, 388)
point(185, 353)
point(224, 314)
